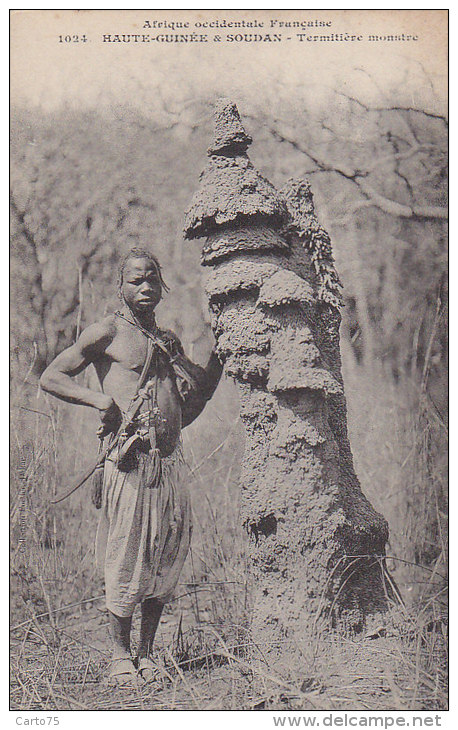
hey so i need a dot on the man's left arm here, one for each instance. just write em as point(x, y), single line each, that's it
point(206, 381)
point(213, 372)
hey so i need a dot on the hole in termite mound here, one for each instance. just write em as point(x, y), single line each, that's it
point(265, 526)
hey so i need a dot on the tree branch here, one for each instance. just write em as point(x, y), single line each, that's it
point(394, 108)
point(392, 207)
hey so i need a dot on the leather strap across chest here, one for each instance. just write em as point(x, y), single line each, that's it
point(177, 367)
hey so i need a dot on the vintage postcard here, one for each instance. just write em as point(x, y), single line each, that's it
point(229, 363)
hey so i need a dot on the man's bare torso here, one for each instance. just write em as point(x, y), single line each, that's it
point(118, 369)
point(117, 347)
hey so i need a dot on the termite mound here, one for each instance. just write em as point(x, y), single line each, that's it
point(316, 544)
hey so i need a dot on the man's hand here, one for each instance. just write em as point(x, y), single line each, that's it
point(111, 417)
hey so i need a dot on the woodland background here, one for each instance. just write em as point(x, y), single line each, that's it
point(87, 185)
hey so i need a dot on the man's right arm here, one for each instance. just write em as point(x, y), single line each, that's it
point(58, 378)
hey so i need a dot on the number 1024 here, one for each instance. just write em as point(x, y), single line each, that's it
point(72, 39)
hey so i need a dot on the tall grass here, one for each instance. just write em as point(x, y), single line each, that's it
point(59, 627)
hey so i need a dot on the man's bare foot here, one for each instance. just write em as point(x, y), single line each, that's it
point(147, 670)
point(121, 672)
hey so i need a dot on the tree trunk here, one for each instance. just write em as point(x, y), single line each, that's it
point(317, 545)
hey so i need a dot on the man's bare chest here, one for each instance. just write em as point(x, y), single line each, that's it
point(129, 351)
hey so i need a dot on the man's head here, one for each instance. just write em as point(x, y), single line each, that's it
point(140, 281)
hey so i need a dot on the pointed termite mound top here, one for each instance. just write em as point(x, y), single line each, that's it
point(232, 193)
point(303, 222)
point(230, 135)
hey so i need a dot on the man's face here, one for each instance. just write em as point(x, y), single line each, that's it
point(141, 286)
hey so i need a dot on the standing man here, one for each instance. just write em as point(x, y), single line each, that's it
point(149, 391)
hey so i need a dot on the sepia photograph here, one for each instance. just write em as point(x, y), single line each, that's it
point(229, 362)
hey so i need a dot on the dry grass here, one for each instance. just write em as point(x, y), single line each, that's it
point(59, 627)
